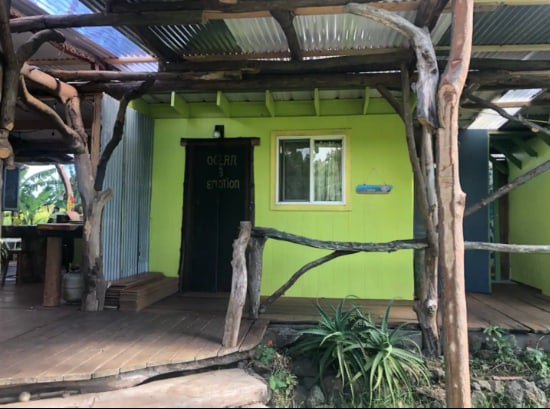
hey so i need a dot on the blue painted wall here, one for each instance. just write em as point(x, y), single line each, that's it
point(474, 178)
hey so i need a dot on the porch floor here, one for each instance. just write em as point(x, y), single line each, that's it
point(41, 345)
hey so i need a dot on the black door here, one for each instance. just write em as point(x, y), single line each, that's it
point(218, 195)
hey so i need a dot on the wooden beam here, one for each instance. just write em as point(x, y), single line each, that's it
point(366, 101)
point(349, 52)
point(270, 103)
point(396, 105)
point(316, 102)
point(95, 135)
point(286, 21)
point(105, 76)
point(179, 105)
point(500, 64)
point(525, 147)
point(256, 83)
point(498, 165)
point(151, 18)
point(508, 153)
point(223, 104)
point(495, 80)
point(377, 60)
point(428, 13)
point(301, 7)
point(507, 48)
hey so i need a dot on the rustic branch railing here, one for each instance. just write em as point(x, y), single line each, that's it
point(248, 264)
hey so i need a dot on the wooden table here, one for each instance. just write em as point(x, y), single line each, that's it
point(54, 249)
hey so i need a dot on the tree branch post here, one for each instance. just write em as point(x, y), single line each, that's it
point(239, 281)
point(451, 209)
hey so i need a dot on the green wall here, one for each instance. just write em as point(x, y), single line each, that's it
point(379, 155)
point(529, 221)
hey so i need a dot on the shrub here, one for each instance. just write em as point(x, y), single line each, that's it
point(365, 356)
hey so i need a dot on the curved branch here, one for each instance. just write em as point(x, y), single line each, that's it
point(315, 263)
point(428, 72)
point(27, 50)
point(502, 112)
point(339, 245)
point(118, 131)
point(506, 248)
point(44, 109)
point(526, 177)
point(61, 90)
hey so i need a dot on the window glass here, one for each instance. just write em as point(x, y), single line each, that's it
point(310, 170)
point(294, 170)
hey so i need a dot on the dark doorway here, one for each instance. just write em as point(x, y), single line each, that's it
point(218, 195)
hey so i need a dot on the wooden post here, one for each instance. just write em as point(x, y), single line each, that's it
point(237, 298)
point(451, 209)
point(255, 265)
point(52, 277)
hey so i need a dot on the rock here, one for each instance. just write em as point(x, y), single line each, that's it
point(24, 397)
point(316, 397)
point(497, 387)
point(522, 393)
point(544, 384)
point(476, 386)
point(485, 385)
point(300, 396)
point(304, 367)
point(479, 400)
point(333, 387)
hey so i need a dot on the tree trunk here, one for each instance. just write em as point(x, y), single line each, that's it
point(426, 302)
point(451, 209)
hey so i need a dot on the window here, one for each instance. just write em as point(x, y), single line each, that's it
point(310, 170)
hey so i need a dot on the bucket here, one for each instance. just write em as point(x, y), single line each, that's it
point(72, 287)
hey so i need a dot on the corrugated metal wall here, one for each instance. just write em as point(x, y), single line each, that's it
point(125, 228)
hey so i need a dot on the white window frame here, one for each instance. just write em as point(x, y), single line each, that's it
point(312, 138)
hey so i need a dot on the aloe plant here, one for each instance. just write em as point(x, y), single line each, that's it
point(366, 356)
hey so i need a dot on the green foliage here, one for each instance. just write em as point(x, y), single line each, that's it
point(537, 361)
point(43, 189)
point(364, 355)
point(265, 354)
point(280, 379)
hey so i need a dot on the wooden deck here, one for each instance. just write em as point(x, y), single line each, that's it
point(41, 345)
point(45, 345)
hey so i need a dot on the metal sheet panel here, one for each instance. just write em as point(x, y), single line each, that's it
point(137, 193)
point(510, 25)
point(125, 222)
point(111, 228)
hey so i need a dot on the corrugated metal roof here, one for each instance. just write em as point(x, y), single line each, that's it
point(347, 32)
point(106, 42)
point(510, 25)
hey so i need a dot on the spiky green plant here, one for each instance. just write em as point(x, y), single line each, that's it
point(392, 367)
point(336, 344)
point(365, 356)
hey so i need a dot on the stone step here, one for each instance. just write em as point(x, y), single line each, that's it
point(215, 389)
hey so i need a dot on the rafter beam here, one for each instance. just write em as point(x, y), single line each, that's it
point(508, 153)
point(317, 102)
point(250, 6)
point(179, 105)
point(520, 143)
point(428, 13)
point(223, 103)
point(44, 22)
point(499, 165)
point(270, 103)
point(376, 60)
point(366, 101)
point(286, 21)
